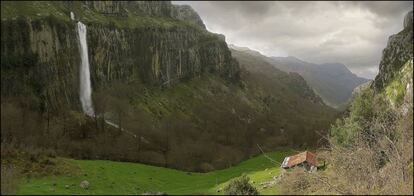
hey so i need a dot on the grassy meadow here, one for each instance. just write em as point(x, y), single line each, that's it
point(109, 177)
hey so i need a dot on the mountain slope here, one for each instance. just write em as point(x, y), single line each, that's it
point(179, 98)
point(256, 64)
point(333, 82)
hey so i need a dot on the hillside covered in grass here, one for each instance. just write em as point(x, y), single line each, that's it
point(108, 177)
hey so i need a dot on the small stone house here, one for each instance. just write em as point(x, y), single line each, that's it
point(305, 159)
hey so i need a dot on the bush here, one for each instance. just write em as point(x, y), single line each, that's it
point(240, 186)
point(362, 106)
point(343, 131)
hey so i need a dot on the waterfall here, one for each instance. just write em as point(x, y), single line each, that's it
point(85, 78)
point(72, 16)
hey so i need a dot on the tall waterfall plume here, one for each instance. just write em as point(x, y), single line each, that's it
point(85, 78)
point(72, 16)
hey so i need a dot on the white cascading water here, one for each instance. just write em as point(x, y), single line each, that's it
point(85, 78)
point(72, 16)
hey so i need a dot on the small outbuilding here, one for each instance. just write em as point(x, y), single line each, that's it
point(305, 159)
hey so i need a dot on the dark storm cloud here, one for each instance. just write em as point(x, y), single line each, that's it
point(352, 33)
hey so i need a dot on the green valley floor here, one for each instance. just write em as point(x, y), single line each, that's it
point(109, 177)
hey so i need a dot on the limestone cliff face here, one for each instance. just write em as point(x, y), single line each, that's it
point(163, 53)
point(398, 51)
point(158, 56)
point(39, 60)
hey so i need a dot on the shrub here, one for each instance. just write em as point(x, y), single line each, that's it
point(362, 106)
point(344, 131)
point(240, 186)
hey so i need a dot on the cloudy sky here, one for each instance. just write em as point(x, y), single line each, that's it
point(352, 33)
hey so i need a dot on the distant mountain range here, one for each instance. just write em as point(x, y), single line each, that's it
point(333, 82)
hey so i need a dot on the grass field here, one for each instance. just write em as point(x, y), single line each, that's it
point(109, 177)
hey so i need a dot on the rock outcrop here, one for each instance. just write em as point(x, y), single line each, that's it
point(186, 13)
point(408, 20)
point(398, 51)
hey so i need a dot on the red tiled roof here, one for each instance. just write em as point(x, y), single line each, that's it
point(299, 158)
